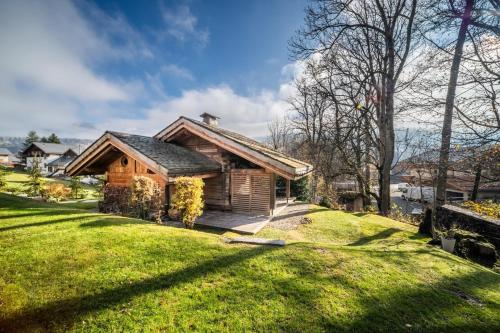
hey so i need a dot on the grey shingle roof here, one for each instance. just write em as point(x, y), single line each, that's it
point(52, 148)
point(61, 161)
point(254, 145)
point(5, 151)
point(176, 159)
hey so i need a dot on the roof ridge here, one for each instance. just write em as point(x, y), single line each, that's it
point(125, 133)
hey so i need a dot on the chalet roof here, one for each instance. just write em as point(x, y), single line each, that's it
point(174, 158)
point(5, 152)
point(293, 166)
point(165, 158)
point(50, 148)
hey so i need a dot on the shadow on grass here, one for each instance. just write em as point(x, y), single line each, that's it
point(112, 221)
point(419, 236)
point(450, 304)
point(296, 213)
point(45, 211)
point(40, 224)
point(361, 214)
point(380, 235)
point(68, 311)
point(436, 307)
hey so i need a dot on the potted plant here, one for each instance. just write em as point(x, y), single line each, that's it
point(448, 241)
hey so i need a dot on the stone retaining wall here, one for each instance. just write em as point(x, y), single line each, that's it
point(449, 216)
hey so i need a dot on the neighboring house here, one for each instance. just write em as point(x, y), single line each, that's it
point(56, 167)
point(46, 153)
point(239, 173)
point(5, 156)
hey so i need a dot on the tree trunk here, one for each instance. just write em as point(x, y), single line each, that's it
point(444, 152)
point(366, 120)
point(388, 149)
point(477, 181)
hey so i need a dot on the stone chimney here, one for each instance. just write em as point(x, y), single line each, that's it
point(209, 119)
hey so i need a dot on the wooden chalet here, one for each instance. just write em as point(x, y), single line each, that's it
point(239, 173)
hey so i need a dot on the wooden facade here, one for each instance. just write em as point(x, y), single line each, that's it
point(121, 171)
point(243, 182)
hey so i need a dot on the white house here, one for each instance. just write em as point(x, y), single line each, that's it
point(47, 153)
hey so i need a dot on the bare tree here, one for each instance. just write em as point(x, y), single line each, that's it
point(382, 32)
point(279, 134)
point(473, 18)
point(310, 109)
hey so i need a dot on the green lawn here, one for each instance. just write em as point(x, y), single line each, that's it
point(19, 180)
point(65, 269)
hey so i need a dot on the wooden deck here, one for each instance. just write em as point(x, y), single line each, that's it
point(241, 223)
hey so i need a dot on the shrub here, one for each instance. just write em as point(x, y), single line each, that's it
point(36, 182)
point(397, 214)
point(12, 190)
point(116, 200)
point(188, 199)
point(145, 198)
point(486, 208)
point(55, 191)
point(326, 201)
point(3, 181)
point(99, 187)
point(300, 189)
point(76, 187)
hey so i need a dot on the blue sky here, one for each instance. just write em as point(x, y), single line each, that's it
point(79, 68)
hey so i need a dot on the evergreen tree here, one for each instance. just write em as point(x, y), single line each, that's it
point(75, 186)
point(44, 139)
point(30, 138)
point(53, 138)
point(36, 181)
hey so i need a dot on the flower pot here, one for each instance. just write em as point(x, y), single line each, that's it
point(448, 244)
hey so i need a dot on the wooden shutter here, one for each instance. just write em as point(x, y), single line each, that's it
point(251, 192)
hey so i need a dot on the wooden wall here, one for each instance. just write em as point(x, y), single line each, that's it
point(252, 191)
point(239, 177)
point(121, 175)
point(217, 191)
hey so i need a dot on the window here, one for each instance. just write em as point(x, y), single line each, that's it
point(124, 161)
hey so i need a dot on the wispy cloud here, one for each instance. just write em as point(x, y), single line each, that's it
point(50, 77)
point(49, 53)
point(177, 71)
point(182, 25)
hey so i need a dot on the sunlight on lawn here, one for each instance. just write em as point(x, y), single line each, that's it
point(70, 270)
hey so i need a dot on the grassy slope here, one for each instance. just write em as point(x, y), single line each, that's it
point(65, 269)
point(19, 180)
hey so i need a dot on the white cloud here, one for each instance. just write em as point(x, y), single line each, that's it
point(183, 25)
point(39, 43)
point(177, 71)
point(47, 75)
point(245, 114)
point(49, 79)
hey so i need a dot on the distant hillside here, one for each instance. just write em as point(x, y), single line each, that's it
point(15, 144)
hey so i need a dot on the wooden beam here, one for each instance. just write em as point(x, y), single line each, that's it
point(200, 175)
point(287, 189)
